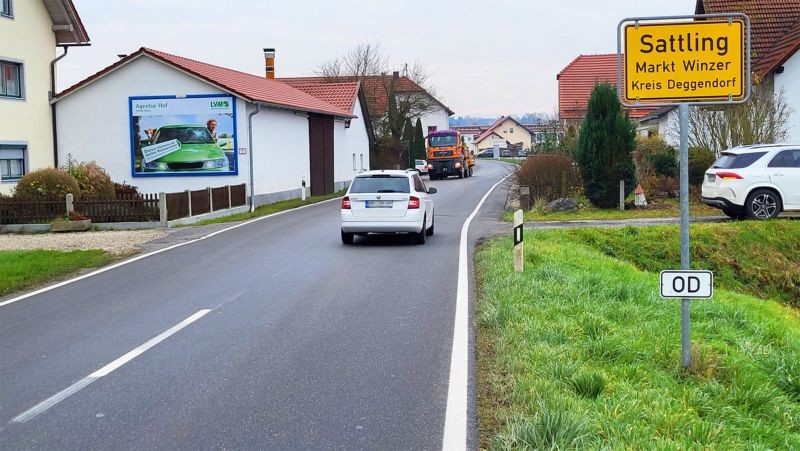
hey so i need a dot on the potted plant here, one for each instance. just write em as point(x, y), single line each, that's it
point(72, 222)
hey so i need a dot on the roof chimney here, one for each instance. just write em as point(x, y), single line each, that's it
point(395, 75)
point(269, 61)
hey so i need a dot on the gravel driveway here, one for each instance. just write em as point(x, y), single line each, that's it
point(116, 242)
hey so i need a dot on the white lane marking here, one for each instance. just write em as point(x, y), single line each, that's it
point(455, 423)
point(149, 254)
point(43, 406)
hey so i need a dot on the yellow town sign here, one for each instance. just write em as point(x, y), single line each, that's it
point(684, 61)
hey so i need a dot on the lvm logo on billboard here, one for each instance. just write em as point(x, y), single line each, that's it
point(217, 104)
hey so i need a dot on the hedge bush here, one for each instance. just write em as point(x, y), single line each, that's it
point(550, 176)
point(47, 183)
point(700, 159)
point(664, 163)
point(92, 180)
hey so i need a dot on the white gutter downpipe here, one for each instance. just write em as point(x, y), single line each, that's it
point(250, 144)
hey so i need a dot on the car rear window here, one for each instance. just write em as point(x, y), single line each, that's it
point(380, 184)
point(734, 161)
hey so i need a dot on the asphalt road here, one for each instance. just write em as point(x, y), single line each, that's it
point(309, 344)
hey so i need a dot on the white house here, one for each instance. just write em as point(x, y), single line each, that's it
point(30, 31)
point(775, 41)
point(504, 131)
point(166, 123)
point(662, 122)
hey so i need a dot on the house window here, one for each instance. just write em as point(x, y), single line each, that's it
point(431, 129)
point(10, 79)
point(362, 162)
point(12, 163)
point(354, 163)
point(7, 11)
point(511, 130)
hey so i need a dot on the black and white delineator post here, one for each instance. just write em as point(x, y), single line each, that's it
point(518, 238)
point(722, 42)
point(303, 190)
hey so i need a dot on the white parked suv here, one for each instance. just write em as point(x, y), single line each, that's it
point(757, 181)
point(388, 202)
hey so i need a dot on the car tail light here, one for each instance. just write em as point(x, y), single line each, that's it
point(345, 203)
point(729, 176)
point(413, 203)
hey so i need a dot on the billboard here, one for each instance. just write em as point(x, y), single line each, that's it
point(192, 135)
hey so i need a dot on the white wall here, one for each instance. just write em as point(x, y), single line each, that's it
point(669, 128)
point(436, 117)
point(789, 82)
point(280, 150)
point(348, 142)
point(93, 124)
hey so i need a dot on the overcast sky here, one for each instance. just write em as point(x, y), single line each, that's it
point(484, 57)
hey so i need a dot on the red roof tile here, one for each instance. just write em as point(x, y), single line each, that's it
point(376, 89)
point(342, 95)
point(775, 28)
point(578, 79)
point(248, 86)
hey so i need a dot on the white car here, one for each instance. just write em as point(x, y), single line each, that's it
point(388, 202)
point(421, 166)
point(757, 181)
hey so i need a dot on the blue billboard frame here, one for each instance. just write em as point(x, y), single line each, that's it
point(182, 174)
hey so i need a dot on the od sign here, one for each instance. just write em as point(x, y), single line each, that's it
point(687, 284)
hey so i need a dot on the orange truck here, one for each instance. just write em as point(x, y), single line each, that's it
point(448, 155)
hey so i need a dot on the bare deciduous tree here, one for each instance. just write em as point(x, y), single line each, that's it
point(366, 61)
point(763, 119)
point(362, 61)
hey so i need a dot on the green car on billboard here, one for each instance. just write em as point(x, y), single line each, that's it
point(176, 148)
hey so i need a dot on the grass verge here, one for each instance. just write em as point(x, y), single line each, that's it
point(269, 209)
point(24, 269)
point(579, 351)
point(666, 208)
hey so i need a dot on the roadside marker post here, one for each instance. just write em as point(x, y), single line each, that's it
point(689, 61)
point(518, 238)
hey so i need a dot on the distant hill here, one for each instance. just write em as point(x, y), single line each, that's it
point(470, 120)
point(528, 118)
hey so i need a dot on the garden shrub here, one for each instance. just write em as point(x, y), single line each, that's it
point(700, 159)
point(93, 180)
point(123, 189)
point(47, 183)
point(664, 163)
point(550, 176)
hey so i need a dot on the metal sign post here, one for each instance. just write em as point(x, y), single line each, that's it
point(518, 238)
point(684, 60)
point(686, 304)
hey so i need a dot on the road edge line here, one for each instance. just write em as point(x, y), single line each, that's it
point(45, 405)
point(149, 254)
point(455, 423)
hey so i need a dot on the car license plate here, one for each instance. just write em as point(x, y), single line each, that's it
point(378, 204)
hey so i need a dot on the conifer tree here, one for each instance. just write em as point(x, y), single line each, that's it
point(605, 148)
point(418, 145)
